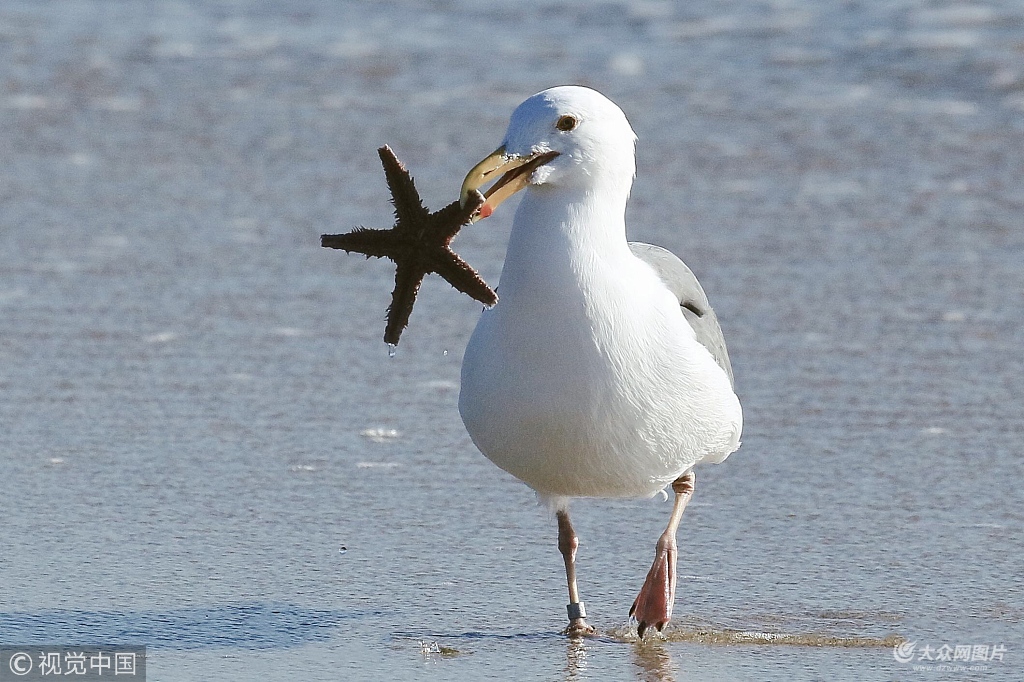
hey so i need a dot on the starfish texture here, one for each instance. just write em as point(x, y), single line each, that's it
point(419, 243)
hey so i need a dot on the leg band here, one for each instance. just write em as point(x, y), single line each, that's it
point(576, 610)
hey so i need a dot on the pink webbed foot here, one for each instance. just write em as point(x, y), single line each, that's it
point(579, 628)
point(653, 606)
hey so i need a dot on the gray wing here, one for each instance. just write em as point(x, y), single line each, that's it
point(692, 299)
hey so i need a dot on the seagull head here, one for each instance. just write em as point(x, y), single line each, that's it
point(564, 137)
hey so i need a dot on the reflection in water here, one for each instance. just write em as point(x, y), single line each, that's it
point(653, 662)
point(575, 658)
point(652, 658)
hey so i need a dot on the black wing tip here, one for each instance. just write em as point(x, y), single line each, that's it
point(693, 308)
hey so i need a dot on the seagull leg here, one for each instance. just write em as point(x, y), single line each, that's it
point(567, 544)
point(653, 606)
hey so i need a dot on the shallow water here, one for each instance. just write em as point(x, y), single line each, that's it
point(208, 450)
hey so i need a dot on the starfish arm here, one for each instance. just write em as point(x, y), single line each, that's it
point(409, 207)
point(447, 222)
point(463, 277)
point(376, 243)
point(418, 244)
point(408, 277)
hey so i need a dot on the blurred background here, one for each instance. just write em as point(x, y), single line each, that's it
point(205, 447)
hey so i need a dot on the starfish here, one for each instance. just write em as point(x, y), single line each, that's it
point(419, 243)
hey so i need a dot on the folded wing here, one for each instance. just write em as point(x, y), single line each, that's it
point(692, 300)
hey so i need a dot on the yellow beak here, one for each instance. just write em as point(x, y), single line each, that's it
point(511, 172)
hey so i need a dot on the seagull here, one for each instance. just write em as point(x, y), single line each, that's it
point(602, 370)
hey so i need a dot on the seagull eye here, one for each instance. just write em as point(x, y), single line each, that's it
point(566, 123)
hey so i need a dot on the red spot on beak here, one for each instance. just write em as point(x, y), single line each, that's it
point(486, 211)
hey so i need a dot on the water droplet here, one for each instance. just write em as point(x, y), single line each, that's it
point(392, 349)
point(445, 352)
